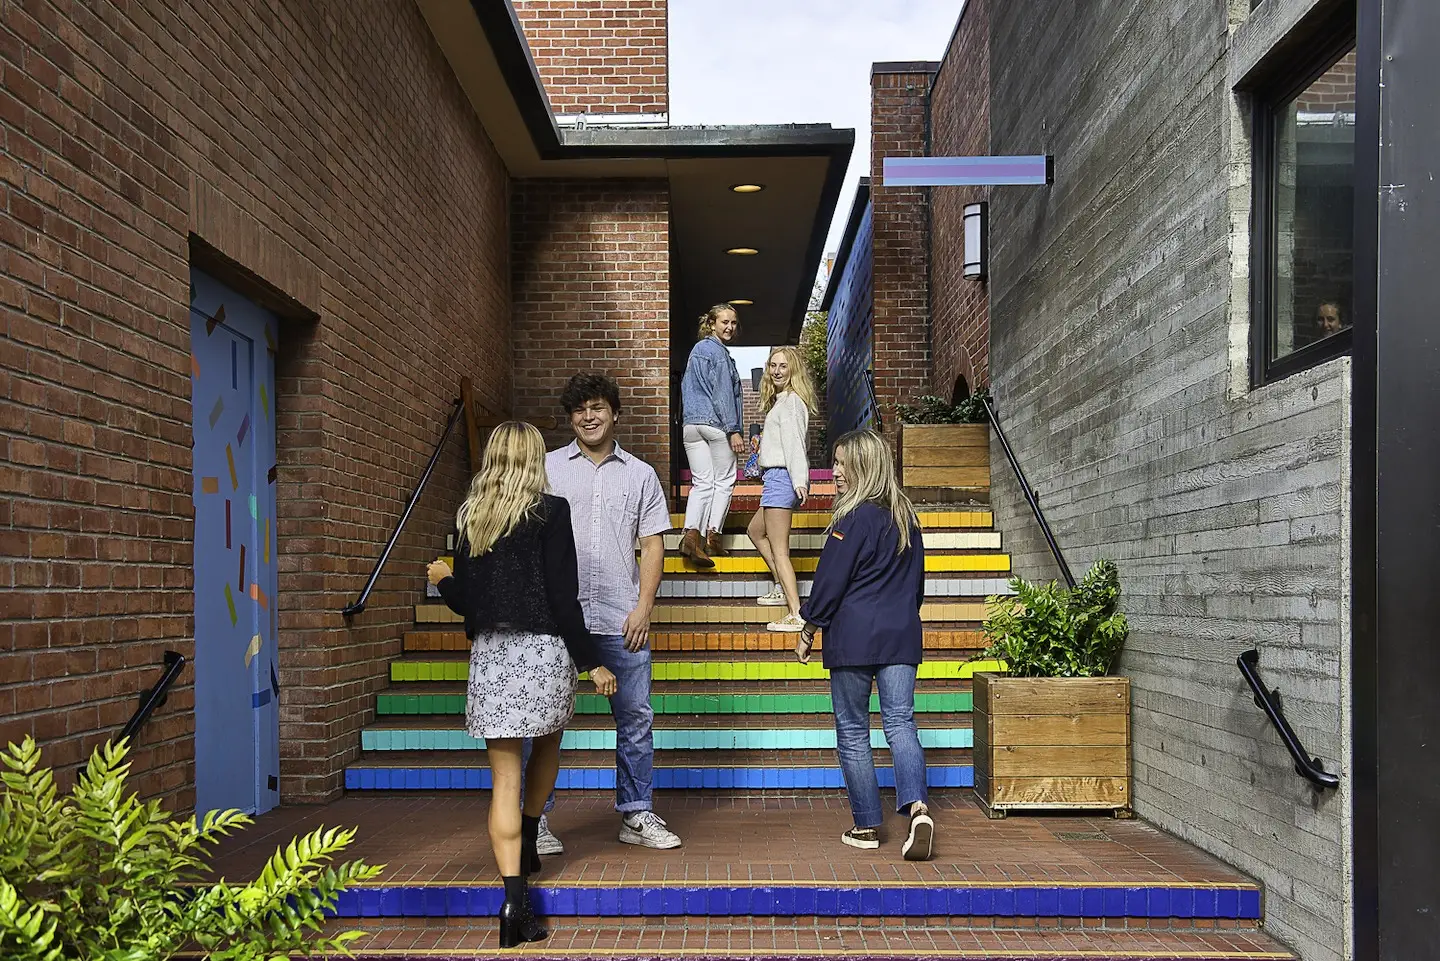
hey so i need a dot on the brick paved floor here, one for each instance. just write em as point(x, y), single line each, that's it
point(678, 937)
point(738, 839)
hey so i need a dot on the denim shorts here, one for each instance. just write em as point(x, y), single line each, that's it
point(777, 490)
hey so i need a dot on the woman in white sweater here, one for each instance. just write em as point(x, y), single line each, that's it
point(786, 398)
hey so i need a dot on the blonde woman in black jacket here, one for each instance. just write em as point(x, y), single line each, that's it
point(516, 585)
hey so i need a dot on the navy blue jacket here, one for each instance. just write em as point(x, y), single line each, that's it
point(866, 598)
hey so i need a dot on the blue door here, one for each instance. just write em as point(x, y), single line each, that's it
point(237, 720)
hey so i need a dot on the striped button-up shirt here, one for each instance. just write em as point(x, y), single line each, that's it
point(612, 505)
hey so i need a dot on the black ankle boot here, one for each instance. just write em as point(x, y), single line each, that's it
point(518, 923)
point(529, 839)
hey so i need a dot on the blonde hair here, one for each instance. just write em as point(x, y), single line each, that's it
point(870, 478)
point(507, 489)
point(708, 319)
point(800, 381)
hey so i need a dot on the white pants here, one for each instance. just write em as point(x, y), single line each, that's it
point(712, 477)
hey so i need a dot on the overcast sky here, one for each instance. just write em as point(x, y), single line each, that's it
point(796, 61)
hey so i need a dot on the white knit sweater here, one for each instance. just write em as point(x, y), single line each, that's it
point(782, 443)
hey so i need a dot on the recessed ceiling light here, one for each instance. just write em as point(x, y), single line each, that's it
point(742, 251)
point(748, 188)
point(740, 303)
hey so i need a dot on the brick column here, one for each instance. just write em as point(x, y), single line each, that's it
point(898, 108)
point(959, 127)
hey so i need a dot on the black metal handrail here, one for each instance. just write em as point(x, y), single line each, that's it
point(874, 400)
point(1306, 766)
point(1029, 492)
point(363, 599)
point(153, 698)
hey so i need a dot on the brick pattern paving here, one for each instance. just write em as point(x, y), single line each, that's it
point(424, 839)
point(752, 938)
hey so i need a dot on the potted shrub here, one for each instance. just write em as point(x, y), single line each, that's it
point(944, 444)
point(101, 875)
point(1054, 731)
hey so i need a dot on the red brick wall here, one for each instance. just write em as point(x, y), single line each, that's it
point(600, 56)
point(591, 286)
point(359, 186)
point(959, 126)
point(902, 340)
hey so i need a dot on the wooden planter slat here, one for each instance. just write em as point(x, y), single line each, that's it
point(1060, 743)
point(945, 455)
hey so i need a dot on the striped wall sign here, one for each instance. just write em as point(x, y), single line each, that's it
point(968, 171)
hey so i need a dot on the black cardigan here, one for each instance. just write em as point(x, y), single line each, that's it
point(527, 581)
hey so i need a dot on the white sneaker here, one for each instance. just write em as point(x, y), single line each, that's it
point(546, 842)
point(775, 598)
point(789, 624)
point(920, 844)
point(647, 829)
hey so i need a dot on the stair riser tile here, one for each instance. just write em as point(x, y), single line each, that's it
point(716, 589)
point(934, 563)
point(665, 740)
point(403, 671)
point(959, 702)
point(958, 900)
point(360, 777)
point(934, 541)
point(666, 641)
point(937, 613)
point(819, 520)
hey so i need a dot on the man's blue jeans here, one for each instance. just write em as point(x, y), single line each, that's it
point(850, 691)
point(634, 725)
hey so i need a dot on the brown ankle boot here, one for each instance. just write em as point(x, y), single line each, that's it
point(713, 546)
point(694, 548)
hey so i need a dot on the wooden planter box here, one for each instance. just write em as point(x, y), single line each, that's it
point(1052, 742)
point(945, 455)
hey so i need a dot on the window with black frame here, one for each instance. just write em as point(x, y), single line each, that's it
point(1304, 229)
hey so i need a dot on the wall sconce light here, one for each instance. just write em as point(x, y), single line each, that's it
point(977, 240)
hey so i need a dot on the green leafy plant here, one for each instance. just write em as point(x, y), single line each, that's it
point(930, 409)
point(102, 876)
point(1046, 630)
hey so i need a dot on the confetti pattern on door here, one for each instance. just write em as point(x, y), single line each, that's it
point(237, 728)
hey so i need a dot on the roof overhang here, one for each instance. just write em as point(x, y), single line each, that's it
point(802, 167)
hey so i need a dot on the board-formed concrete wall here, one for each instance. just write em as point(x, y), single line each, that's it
point(1119, 326)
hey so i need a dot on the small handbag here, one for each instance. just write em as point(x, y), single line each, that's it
point(752, 464)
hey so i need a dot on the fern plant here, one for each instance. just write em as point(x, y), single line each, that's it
point(102, 876)
point(1046, 630)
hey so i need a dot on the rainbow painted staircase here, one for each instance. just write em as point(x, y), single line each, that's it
point(745, 771)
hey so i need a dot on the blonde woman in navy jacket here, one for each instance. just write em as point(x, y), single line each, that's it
point(869, 585)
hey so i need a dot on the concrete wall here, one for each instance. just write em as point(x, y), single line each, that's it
point(1119, 359)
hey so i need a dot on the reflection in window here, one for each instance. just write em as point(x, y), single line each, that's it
point(1312, 171)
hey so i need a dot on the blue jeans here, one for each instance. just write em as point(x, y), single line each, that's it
point(634, 725)
point(850, 691)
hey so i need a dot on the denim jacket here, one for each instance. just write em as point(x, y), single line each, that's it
point(710, 389)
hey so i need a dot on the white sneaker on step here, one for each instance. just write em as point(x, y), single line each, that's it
point(546, 842)
point(789, 624)
point(647, 829)
point(775, 598)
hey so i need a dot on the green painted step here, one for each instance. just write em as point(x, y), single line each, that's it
point(665, 740)
point(948, 702)
point(402, 671)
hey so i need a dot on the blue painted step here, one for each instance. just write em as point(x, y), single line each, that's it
point(363, 777)
point(1038, 900)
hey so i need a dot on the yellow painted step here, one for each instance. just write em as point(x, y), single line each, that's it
point(805, 565)
point(819, 520)
point(934, 540)
point(667, 613)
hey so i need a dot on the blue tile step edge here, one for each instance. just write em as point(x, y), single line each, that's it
point(362, 777)
point(762, 899)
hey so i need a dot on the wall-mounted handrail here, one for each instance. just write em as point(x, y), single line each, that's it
point(1306, 766)
point(1029, 492)
point(153, 698)
point(364, 598)
point(874, 400)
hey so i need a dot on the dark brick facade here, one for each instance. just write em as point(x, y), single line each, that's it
point(360, 195)
point(600, 56)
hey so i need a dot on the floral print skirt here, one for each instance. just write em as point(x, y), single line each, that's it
point(521, 685)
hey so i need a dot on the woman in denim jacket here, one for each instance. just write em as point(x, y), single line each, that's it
point(710, 398)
